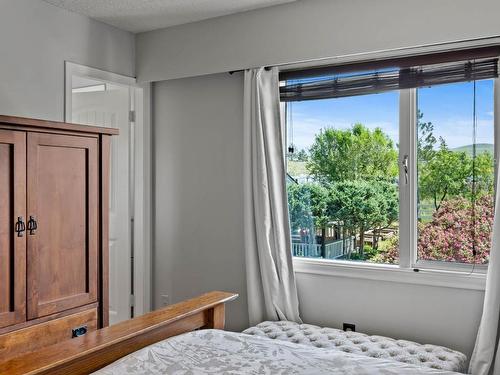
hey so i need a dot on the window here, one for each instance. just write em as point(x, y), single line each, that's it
point(393, 165)
point(343, 176)
point(455, 172)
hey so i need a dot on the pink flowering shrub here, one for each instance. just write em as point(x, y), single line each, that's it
point(451, 234)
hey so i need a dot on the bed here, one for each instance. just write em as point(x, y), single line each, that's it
point(221, 352)
point(188, 338)
point(424, 355)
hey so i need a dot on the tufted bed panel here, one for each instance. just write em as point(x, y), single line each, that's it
point(432, 356)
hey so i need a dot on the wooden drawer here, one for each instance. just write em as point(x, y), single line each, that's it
point(44, 334)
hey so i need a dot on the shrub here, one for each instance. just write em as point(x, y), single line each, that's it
point(451, 234)
point(388, 251)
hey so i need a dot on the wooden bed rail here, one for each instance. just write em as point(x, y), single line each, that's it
point(97, 349)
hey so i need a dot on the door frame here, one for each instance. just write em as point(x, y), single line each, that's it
point(141, 174)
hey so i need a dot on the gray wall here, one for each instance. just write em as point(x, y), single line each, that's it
point(309, 29)
point(199, 190)
point(199, 228)
point(425, 314)
point(198, 140)
point(35, 39)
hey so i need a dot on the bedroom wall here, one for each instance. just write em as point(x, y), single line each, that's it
point(36, 38)
point(199, 190)
point(199, 229)
point(309, 29)
point(198, 143)
point(425, 314)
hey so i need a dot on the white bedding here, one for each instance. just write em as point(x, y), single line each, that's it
point(221, 352)
point(427, 355)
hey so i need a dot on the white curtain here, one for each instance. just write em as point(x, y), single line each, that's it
point(272, 294)
point(485, 358)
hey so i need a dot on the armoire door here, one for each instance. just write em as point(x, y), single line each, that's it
point(12, 218)
point(62, 226)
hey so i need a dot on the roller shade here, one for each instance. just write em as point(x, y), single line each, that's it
point(387, 80)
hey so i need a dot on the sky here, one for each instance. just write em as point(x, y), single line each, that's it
point(449, 107)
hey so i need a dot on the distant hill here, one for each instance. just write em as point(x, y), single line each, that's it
point(480, 148)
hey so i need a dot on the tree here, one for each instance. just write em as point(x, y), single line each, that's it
point(426, 139)
point(484, 174)
point(450, 174)
point(357, 153)
point(360, 205)
point(361, 166)
point(300, 155)
point(308, 205)
point(388, 198)
point(446, 174)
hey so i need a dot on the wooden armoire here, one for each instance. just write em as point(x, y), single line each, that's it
point(54, 202)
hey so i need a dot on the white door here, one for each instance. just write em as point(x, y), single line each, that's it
point(108, 105)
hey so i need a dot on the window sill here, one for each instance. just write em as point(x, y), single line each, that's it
point(390, 273)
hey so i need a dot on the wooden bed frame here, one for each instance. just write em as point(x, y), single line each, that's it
point(97, 349)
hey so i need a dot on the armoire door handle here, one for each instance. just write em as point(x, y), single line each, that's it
point(32, 225)
point(20, 227)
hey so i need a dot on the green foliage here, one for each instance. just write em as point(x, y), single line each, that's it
point(357, 204)
point(484, 172)
point(363, 204)
point(452, 235)
point(300, 155)
point(388, 251)
point(355, 172)
point(307, 204)
point(448, 174)
point(357, 153)
point(368, 254)
point(426, 139)
point(444, 174)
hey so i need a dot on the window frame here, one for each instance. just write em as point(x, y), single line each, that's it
point(410, 269)
point(408, 199)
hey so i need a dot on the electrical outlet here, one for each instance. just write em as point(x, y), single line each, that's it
point(165, 300)
point(349, 327)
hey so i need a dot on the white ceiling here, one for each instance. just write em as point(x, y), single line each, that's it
point(145, 15)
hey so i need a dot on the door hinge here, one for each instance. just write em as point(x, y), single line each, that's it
point(131, 116)
point(132, 300)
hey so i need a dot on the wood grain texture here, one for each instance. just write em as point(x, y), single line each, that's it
point(105, 160)
point(36, 124)
point(216, 317)
point(43, 319)
point(41, 335)
point(51, 280)
point(12, 247)
point(63, 197)
point(102, 347)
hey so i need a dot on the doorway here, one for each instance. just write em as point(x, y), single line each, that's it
point(98, 98)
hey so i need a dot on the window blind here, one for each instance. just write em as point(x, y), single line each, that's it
point(387, 80)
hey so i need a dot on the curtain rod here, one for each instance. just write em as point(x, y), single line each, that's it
point(242, 70)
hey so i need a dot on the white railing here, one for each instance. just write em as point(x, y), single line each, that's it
point(333, 250)
point(308, 250)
